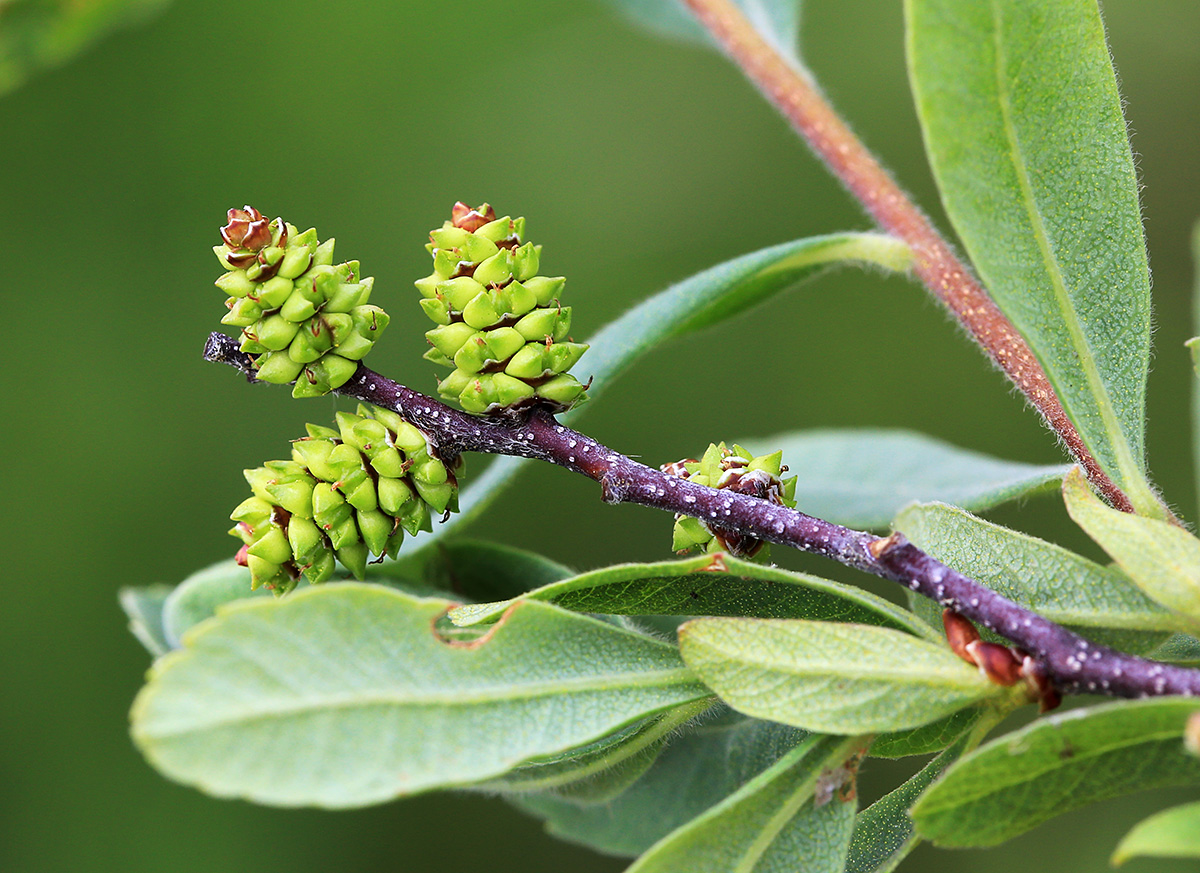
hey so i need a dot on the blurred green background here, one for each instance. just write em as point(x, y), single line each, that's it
point(637, 162)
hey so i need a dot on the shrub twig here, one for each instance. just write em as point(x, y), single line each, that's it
point(1072, 664)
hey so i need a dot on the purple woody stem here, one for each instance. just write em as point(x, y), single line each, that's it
point(1071, 663)
point(796, 96)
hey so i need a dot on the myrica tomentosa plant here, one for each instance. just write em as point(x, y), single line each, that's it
point(588, 699)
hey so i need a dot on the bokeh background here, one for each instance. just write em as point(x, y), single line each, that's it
point(637, 162)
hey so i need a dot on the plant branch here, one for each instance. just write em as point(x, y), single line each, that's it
point(1070, 662)
point(796, 95)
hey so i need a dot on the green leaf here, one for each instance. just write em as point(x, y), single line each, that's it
point(1052, 581)
point(927, 739)
point(1172, 833)
point(1179, 649)
point(698, 770)
point(1022, 122)
point(884, 833)
point(1163, 560)
point(790, 811)
point(778, 21)
point(144, 607)
point(36, 34)
point(701, 301)
point(475, 570)
point(862, 478)
point(341, 695)
point(464, 569)
point(708, 585)
point(601, 770)
point(1055, 765)
point(832, 678)
point(198, 596)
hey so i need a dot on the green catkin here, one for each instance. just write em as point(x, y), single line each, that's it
point(500, 325)
point(738, 470)
point(345, 495)
point(303, 319)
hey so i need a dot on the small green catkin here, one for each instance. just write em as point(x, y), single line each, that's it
point(303, 319)
point(345, 494)
point(738, 470)
point(499, 324)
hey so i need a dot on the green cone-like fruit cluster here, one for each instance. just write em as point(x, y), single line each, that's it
point(345, 494)
point(500, 325)
point(303, 319)
point(737, 470)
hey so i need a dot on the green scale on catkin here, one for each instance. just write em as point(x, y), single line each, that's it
point(303, 319)
point(738, 470)
point(500, 325)
point(346, 494)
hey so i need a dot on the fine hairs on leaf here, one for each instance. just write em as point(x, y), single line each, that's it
point(710, 711)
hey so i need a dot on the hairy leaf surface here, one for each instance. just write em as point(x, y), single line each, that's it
point(832, 678)
point(1022, 121)
point(772, 821)
point(884, 833)
point(862, 478)
point(1052, 581)
point(1163, 560)
point(342, 694)
point(698, 770)
point(707, 585)
point(1057, 764)
point(599, 770)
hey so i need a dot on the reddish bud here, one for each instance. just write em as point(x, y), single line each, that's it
point(246, 229)
point(998, 663)
point(960, 633)
point(470, 218)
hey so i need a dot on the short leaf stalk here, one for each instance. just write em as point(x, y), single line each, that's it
point(797, 97)
point(1070, 663)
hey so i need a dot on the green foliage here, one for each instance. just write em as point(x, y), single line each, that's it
point(1100, 602)
point(791, 810)
point(1172, 833)
point(344, 694)
point(144, 607)
point(695, 773)
point(862, 478)
point(706, 714)
point(884, 833)
point(837, 678)
point(1022, 121)
point(1160, 558)
point(702, 586)
point(697, 303)
point(1055, 765)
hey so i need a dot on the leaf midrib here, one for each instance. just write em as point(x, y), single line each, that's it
point(995, 787)
point(837, 669)
point(1126, 464)
point(531, 691)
